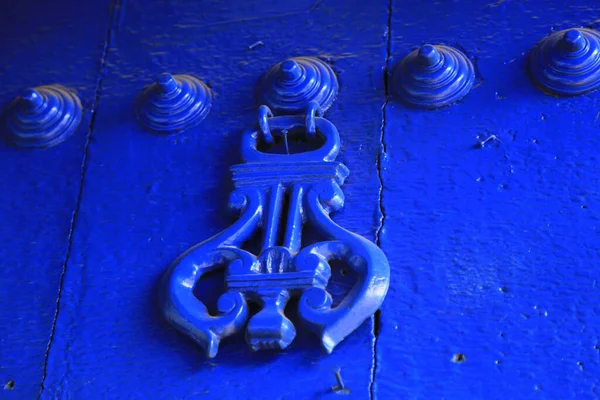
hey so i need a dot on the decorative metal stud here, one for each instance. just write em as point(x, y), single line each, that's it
point(433, 77)
point(173, 103)
point(310, 181)
point(42, 117)
point(567, 62)
point(291, 85)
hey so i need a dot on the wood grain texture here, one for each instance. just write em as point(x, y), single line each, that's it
point(41, 43)
point(146, 198)
point(494, 248)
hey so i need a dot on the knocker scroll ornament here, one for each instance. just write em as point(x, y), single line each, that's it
point(310, 181)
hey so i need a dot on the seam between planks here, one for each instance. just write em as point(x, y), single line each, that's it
point(114, 11)
point(382, 216)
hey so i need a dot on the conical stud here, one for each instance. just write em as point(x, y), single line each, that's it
point(32, 99)
point(42, 117)
point(166, 83)
point(290, 70)
point(432, 76)
point(173, 103)
point(429, 56)
point(567, 62)
point(291, 85)
point(573, 41)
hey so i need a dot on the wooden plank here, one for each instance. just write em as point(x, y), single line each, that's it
point(493, 248)
point(147, 197)
point(42, 43)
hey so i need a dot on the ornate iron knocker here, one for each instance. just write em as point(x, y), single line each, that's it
point(311, 181)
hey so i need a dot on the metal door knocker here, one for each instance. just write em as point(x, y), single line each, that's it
point(277, 195)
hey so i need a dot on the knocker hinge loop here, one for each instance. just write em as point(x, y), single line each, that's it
point(264, 113)
point(314, 109)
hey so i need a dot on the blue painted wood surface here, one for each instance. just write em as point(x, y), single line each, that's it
point(41, 43)
point(493, 247)
point(147, 198)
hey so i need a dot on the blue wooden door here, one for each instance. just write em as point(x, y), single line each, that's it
point(493, 248)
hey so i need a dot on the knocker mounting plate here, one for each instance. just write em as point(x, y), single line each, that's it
point(277, 195)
